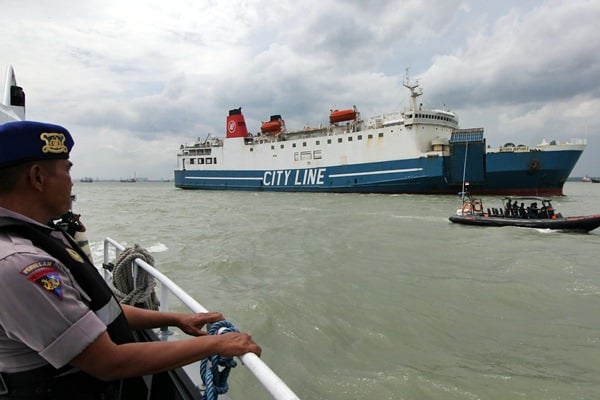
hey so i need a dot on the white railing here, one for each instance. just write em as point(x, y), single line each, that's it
point(270, 381)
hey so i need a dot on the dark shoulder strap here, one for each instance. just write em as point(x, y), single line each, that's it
point(41, 238)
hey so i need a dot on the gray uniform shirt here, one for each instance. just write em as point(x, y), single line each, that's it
point(44, 314)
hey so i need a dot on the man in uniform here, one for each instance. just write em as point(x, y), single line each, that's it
point(62, 333)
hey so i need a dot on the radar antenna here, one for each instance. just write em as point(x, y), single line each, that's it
point(415, 90)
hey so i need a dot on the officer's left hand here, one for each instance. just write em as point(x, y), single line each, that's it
point(192, 324)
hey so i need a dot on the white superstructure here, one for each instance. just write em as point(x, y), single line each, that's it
point(12, 107)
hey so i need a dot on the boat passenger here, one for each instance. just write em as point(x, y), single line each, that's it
point(533, 211)
point(63, 334)
point(515, 209)
point(522, 211)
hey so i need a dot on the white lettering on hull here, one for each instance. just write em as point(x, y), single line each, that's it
point(298, 177)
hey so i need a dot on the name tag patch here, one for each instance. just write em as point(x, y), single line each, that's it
point(45, 275)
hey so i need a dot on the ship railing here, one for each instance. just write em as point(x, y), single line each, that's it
point(268, 379)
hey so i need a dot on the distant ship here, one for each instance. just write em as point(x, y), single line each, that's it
point(415, 151)
point(86, 179)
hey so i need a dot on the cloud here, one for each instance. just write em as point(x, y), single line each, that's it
point(136, 80)
point(542, 55)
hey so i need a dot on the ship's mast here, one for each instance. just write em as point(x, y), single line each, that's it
point(415, 90)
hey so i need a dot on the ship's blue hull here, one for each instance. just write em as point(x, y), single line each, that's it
point(524, 173)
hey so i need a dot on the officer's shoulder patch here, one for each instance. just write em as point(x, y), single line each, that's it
point(45, 274)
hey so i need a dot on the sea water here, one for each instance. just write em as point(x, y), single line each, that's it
point(355, 296)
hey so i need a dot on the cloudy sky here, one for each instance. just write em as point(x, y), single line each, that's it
point(132, 80)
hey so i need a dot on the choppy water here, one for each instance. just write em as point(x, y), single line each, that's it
point(376, 296)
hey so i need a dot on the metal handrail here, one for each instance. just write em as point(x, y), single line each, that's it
point(270, 381)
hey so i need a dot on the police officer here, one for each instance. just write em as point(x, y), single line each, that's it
point(63, 335)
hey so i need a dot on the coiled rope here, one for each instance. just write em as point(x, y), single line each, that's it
point(140, 294)
point(215, 380)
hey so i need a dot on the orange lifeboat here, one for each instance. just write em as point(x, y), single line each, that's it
point(274, 126)
point(342, 115)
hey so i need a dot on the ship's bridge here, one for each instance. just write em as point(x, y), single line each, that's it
point(431, 117)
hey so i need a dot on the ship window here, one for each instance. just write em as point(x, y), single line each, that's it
point(317, 154)
point(359, 137)
point(306, 155)
point(349, 138)
point(318, 142)
point(370, 136)
point(380, 134)
point(328, 141)
point(281, 146)
point(293, 144)
point(303, 144)
point(296, 156)
point(214, 160)
point(272, 147)
point(339, 140)
point(201, 161)
point(192, 160)
point(209, 160)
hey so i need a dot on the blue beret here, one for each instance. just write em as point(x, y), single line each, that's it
point(24, 141)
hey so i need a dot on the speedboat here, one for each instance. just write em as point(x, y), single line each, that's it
point(526, 212)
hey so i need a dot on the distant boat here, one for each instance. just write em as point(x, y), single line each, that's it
point(589, 179)
point(129, 180)
point(86, 179)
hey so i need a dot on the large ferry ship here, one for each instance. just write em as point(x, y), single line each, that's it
point(415, 151)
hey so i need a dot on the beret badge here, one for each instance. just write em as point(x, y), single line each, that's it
point(55, 143)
